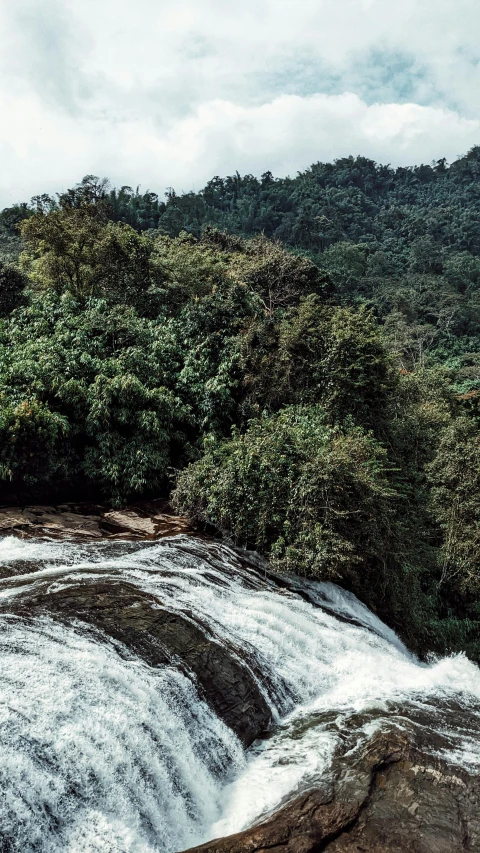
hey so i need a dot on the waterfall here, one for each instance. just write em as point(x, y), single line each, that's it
point(101, 752)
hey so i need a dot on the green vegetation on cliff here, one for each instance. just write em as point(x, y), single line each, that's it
point(315, 398)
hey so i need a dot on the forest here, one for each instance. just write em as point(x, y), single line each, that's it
point(294, 362)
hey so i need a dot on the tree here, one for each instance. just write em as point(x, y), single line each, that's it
point(454, 477)
point(75, 249)
point(278, 277)
point(316, 499)
point(319, 353)
point(346, 264)
point(12, 284)
point(426, 256)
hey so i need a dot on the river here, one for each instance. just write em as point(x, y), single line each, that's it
point(100, 751)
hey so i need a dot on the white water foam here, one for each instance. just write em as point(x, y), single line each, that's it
point(276, 771)
point(312, 665)
point(100, 752)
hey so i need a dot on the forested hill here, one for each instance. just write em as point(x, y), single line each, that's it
point(353, 199)
point(296, 362)
point(405, 241)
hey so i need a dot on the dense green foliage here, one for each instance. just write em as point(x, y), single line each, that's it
point(315, 398)
point(12, 284)
point(316, 496)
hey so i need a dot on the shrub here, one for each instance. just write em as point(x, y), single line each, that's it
point(315, 498)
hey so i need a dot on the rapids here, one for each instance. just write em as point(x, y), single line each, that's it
point(101, 752)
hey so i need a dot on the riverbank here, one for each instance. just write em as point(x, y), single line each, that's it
point(91, 522)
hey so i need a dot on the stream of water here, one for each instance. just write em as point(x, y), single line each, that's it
point(101, 752)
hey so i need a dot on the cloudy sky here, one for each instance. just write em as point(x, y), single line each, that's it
point(171, 92)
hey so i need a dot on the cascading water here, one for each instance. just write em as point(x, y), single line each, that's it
point(101, 752)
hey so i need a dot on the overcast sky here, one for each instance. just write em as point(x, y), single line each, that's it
point(172, 92)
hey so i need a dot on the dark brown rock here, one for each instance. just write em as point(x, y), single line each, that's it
point(393, 798)
point(306, 825)
point(161, 636)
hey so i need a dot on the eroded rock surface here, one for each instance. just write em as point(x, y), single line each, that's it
point(393, 797)
point(160, 636)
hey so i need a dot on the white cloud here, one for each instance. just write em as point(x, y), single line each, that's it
point(292, 132)
point(171, 92)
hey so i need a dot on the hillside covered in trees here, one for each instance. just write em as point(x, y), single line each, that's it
point(295, 361)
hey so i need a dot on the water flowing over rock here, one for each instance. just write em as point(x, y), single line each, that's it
point(162, 638)
point(392, 796)
point(133, 674)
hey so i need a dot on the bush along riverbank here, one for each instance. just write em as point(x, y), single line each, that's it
point(321, 411)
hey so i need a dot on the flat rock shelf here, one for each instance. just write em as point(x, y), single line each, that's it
point(90, 522)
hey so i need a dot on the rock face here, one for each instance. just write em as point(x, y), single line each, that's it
point(91, 522)
point(160, 636)
point(394, 797)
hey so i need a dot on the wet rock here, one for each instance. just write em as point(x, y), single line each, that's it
point(159, 636)
point(306, 825)
point(393, 797)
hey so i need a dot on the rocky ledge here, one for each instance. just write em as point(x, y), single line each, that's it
point(160, 636)
point(393, 796)
point(91, 522)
